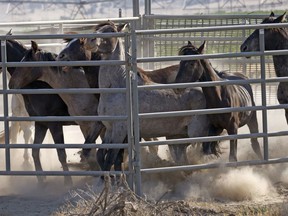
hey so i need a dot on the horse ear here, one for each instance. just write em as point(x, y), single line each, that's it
point(189, 43)
point(272, 14)
point(201, 48)
point(280, 18)
point(34, 45)
point(10, 32)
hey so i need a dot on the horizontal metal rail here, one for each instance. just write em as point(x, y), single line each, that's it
point(144, 116)
point(68, 22)
point(205, 16)
point(214, 165)
point(210, 28)
point(62, 173)
point(68, 146)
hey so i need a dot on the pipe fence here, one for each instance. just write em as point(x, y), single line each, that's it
point(133, 117)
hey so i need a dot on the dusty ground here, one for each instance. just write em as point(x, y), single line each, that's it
point(211, 192)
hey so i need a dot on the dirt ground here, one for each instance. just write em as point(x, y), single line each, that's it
point(258, 190)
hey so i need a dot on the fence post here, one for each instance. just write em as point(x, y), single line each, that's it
point(263, 92)
point(135, 110)
point(130, 138)
point(5, 104)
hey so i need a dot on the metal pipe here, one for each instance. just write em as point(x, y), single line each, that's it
point(5, 104)
point(263, 93)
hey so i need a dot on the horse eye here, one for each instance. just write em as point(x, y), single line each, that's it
point(93, 39)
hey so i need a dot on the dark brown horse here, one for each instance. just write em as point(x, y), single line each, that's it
point(72, 78)
point(220, 97)
point(275, 39)
point(41, 105)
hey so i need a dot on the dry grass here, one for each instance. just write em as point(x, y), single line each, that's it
point(118, 199)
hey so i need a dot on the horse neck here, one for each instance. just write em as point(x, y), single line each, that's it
point(281, 65)
point(209, 74)
point(281, 61)
point(56, 78)
point(279, 42)
point(78, 104)
point(14, 54)
point(113, 75)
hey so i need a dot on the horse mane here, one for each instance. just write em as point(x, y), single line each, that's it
point(282, 30)
point(47, 56)
point(16, 43)
point(106, 23)
point(143, 75)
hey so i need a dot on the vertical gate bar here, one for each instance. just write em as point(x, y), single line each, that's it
point(130, 138)
point(5, 104)
point(61, 28)
point(135, 110)
point(147, 10)
point(263, 93)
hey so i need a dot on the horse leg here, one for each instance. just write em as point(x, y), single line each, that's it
point(56, 130)
point(118, 136)
point(212, 147)
point(233, 143)
point(14, 130)
point(40, 133)
point(152, 149)
point(253, 127)
point(178, 151)
point(199, 126)
point(119, 160)
point(96, 129)
point(27, 134)
point(101, 152)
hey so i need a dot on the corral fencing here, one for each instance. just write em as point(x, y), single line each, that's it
point(132, 38)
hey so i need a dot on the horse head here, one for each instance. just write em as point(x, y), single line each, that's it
point(190, 70)
point(273, 36)
point(74, 50)
point(105, 45)
point(22, 76)
point(15, 51)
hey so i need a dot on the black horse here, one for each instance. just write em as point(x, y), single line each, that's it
point(41, 105)
point(220, 97)
point(275, 39)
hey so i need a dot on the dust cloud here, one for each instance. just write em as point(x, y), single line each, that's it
point(256, 183)
point(28, 185)
point(230, 184)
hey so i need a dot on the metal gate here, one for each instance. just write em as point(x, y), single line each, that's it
point(132, 39)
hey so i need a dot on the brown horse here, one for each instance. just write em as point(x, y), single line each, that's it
point(275, 39)
point(113, 76)
point(220, 97)
point(77, 104)
point(75, 51)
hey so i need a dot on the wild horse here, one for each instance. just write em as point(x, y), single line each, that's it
point(113, 76)
point(275, 39)
point(18, 107)
point(73, 50)
point(219, 97)
point(42, 105)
